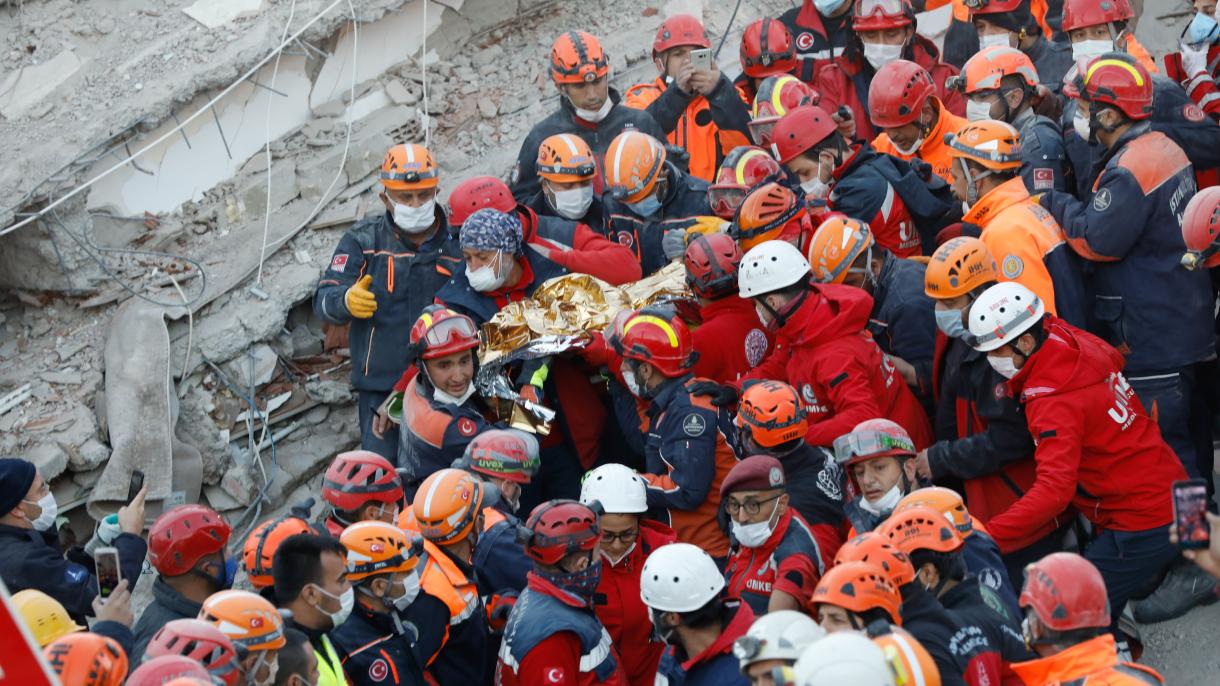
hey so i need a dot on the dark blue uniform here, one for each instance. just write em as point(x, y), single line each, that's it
point(903, 321)
point(376, 649)
point(1044, 159)
point(499, 560)
point(481, 307)
point(166, 606)
point(928, 621)
point(716, 666)
point(434, 434)
point(981, 610)
point(982, 557)
point(405, 280)
point(1052, 60)
point(685, 200)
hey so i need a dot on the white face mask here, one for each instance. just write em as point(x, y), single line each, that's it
point(572, 203)
point(409, 595)
point(989, 40)
point(814, 187)
point(1081, 124)
point(615, 560)
point(442, 397)
point(595, 116)
point(347, 601)
point(50, 510)
point(1004, 366)
point(881, 54)
point(977, 110)
point(488, 277)
point(415, 219)
point(633, 384)
point(1086, 50)
point(756, 534)
point(763, 315)
point(885, 503)
point(909, 151)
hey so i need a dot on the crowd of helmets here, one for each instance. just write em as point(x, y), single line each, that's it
point(949, 346)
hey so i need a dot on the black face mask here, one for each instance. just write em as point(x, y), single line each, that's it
point(668, 635)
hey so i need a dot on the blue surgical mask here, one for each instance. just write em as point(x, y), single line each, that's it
point(646, 207)
point(1202, 29)
point(828, 7)
point(950, 323)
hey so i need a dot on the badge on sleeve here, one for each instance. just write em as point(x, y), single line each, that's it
point(1012, 266)
point(694, 425)
point(74, 573)
point(339, 263)
point(1044, 179)
point(1101, 200)
point(1192, 112)
point(379, 670)
point(466, 426)
point(555, 675)
point(756, 347)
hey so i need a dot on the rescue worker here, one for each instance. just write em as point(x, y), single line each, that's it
point(567, 173)
point(843, 657)
point(882, 31)
point(1001, 83)
point(553, 635)
point(375, 643)
point(821, 31)
point(773, 642)
point(297, 663)
point(767, 49)
point(700, 109)
point(177, 670)
point(255, 628)
point(771, 421)
point(777, 95)
point(200, 642)
point(982, 436)
point(743, 168)
point(1096, 449)
point(588, 108)
point(877, 457)
point(773, 212)
point(685, 594)
point(821, 349)
point(506, 459)
point(448, 510)
point(776, 560)
point(30, 552)
point(47, 619)
point(628, 538)
point(1196, 65)
point(258, 551)
point(1025, 239)
point(912, 120)
point(187, 548)
point(880, 190)
point(1130, 231)
point(687, 455)
point(649, 199)
point(902, 320)
point(311, 582)
point(360, 486)
point(853, 595)
point(1095, 29)
point(385, 270)
point(85, 658)
point(572, 245)
point(1067, 615)
point(1011, 24)
point(440, 411)
point(730, 340)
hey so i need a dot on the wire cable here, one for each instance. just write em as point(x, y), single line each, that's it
point(275, 71)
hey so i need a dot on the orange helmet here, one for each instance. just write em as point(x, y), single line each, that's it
point(991, 144)
point(376, 548)
point(859, 587)
point(577, 57)
point(836, 245)
point(87, 659)
point(910, 662)
point(447, 504)
point(771, 411)
point(958, 267)
point(566, 158)
point(921, 528)
point(985, 70)
point(248, 619)
point(944, 500)
point(777, 95)
point(875, 549)
point(258, 551)
point(633, 163)
point(769, 212)
point(409, 167)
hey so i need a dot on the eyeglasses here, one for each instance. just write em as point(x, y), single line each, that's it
point(865, 443)
point(752, 507)
point(626, 537)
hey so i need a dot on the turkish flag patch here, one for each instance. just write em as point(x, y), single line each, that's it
point(1044, 178)
point(554, 675)
point(339, 263)
point(466, 426)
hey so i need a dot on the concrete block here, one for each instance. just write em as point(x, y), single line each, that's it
point(214, 13)
point(264, 362)
point(24, 89)
point(91, 455)
point(50, 459)
point(283, 188)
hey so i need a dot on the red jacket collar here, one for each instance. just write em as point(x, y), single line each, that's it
point(508, 294)
point(736, 628)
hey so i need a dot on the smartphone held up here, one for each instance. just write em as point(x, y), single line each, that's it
point(1189, 508)
point(108, 574)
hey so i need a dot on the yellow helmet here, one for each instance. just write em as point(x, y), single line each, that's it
point(46, 618)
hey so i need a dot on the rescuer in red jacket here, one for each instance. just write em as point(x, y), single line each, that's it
point(731, 340)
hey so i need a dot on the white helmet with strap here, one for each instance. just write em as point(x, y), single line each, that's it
point(1002, 313)
point(679, 577)
point(845, 657)
point(769, 267)
point(618, 488)
point(780, 635)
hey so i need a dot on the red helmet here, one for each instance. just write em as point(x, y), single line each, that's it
point(898, 93)
point(677, 31)
point(1066, 592)
point(1078, 14)
point(777, 95)
point(767, 48)
point(440, 332)
point(476, 193)
point(258, 552)
point(744, 167)
point(558, 528)
point(199, 641)
point(183, 535)
point(879, 15)
point(504, 454)
point(978, 7)
point(711, 261)
point(871, 439)
point(665, 344)
point(358, 477)
point(162, 670)
point(1118, 80)
point(1201, 229)
point(800, 130)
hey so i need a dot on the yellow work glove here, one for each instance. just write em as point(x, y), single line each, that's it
point(705, 225)
point(359, 299)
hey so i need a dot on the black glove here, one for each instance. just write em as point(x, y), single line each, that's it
point(722, 396)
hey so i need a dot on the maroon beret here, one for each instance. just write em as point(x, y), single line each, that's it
point(757, 473)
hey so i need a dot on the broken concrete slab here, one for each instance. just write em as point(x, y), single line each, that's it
point(49, 458)
point(92, 454)
point(283, 189)
point(66, 377)
point(215, 13)
point(254, 368)
point(25, 88)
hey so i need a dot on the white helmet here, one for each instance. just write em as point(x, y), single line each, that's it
point(1002, 313)
point(617, 487)
point(844, 657)
point(770, 266)
point(779, 635)
point(679, 577)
